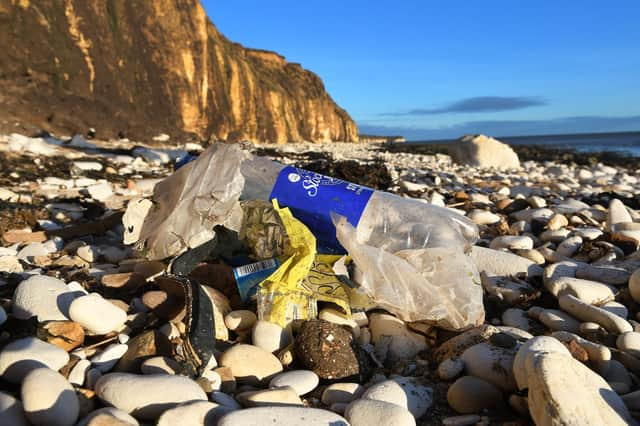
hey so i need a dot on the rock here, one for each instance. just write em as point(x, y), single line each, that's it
point(616, 308)
point(570, 246)
point(559, 320)
point(100, 191)
point(605, 274)
point(629, 342)
point(468, 420)
point(406, 392)
point(470, 394)
point(160, 365)
point(194, 413)
point(283, 416)
point(634, 285)
point(556, 222)
point(250, 364)
point(590, 292)
point(491, 363)
point(87, 165)
point(21, 356)
point(515, 317)
point(483, 217)
point(483, 151)
point(403, 343)
point(365, 412)
point(512, 243)
point(341, 393)
point(240, 320)
point(559, 270)
point(78, 372)
point(449, 369)
point(585, 312)
point(66, 335)
point(44, 297)
point(302, 381)
point(495, 262)
point(533, 255)
point(48, 399)
point(617, 213)
point(562, 390)
point(599, 355)
point(10, 265)
point(337, 317)
point(529, 351)
point(147, 397)
point(124, 282)
point(88, 253)
point(21, 236)
point(330, 351)
point(11, 411)
point(269, 336)
point(96, 314)
point(109, 357)
point(455, 346)
point(269, 397)
point(512, 292)
point(112, 413)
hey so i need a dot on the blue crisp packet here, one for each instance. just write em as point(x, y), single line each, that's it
point(249, 276)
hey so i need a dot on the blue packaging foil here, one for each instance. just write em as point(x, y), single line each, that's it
point(312, 198)
point(249, 276)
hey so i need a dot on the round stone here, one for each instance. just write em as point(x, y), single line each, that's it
point(344, 392)
point(302, 381)
point(194, 413)
point(404, 343)
point(108, 358)
point(44, 297)
point(406, 392)
point(269, 397)
point(240, 320)
point(96, 314)
point(48, 399)
point(159, 365)
point(629, 342)
point(470, 394)
point(491, 363)
point(634, 285)
point(147, 397)
point(11, 411)
point(450, 368)
point(531, 349)
point(21, 356)
point(363, 412)
point(283, 416)
point(112, 412)
point(250, 364)
point(269, 336)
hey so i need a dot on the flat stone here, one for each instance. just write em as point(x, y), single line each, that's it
point(585, 312)
point(112, 413)
point(88, 253)
point(240, 320)
point(591, 292)
point(529, 351)
point(44, 297)
point(250, 364)
point(96, 314)
point(468, 420)
point(78, 372)
point(301, 381)
point(402, 342)
point(617, 213)
point(342, 392)
point(634, 285)
point(194, 413)
point(516, 317)
point(455, 346)
point(11, 411)
point(283, 416)
point(605, 274)
point(48, 399)
point(337, 317)
point(491, 363)
point(512, 242)
point(562, 390)
point(471, 394)
point(630, 343)
point(616, 308)
point(483, 217)
point(406, 392)
point(21, 236)
point(66, 335)
point(269, 397)
point(21, 356)
point(147, 397)
point(559, 320)
point(269, 336)
point(495, 262)
point(363, 412)
point(225, 399)
point(570, 246)
point(109, 357)
point(141, 347)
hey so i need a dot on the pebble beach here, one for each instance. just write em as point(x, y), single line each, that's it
point(90, 334)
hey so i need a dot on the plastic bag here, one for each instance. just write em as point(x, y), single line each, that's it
point(436, 284)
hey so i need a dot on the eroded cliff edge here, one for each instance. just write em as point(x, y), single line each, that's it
point(140, 68)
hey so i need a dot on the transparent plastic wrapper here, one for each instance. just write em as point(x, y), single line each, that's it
point(440, 285)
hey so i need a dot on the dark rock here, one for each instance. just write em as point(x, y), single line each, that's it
point(142, 347)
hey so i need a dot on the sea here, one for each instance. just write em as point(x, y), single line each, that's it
point(625, 143)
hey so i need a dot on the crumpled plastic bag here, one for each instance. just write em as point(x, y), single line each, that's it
point(440, 285)
point(191, 202)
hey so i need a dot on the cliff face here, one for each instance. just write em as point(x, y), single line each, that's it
point(142, 67)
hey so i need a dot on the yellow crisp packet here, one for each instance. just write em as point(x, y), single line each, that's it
point(293, 290)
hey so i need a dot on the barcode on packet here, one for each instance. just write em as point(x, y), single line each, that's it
point(252, 268)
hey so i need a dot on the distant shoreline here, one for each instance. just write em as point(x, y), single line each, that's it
point(512, 138)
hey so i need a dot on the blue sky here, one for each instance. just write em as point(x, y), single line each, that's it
point(440, 69)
